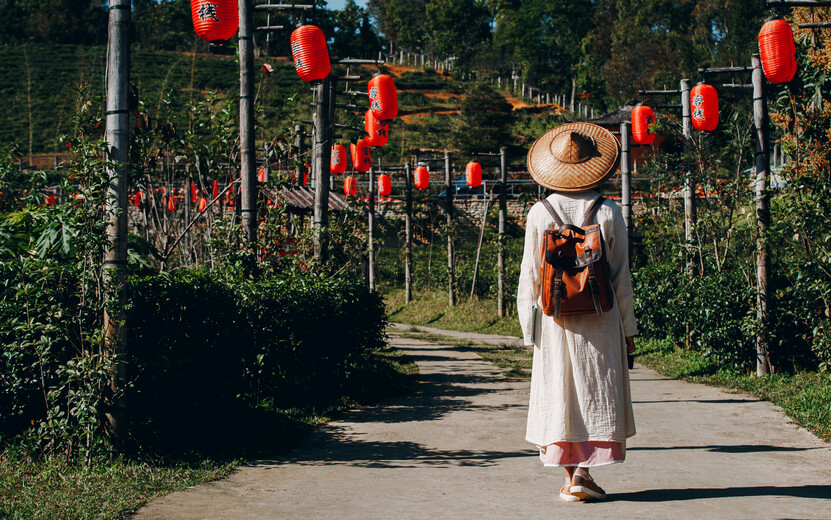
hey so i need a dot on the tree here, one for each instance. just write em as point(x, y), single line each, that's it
point(353, 34)
point(485, 122)
point(458, 28)
point(544, 38)
point(402, 21)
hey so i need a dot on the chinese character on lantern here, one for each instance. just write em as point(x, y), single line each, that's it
point(208, 10)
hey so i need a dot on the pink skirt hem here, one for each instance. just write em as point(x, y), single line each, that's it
point(585, 454)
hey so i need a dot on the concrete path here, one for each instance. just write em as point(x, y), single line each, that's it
point(455, 448)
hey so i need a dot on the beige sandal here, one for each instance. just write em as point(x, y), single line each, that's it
point(585, 488)
point(566, 495)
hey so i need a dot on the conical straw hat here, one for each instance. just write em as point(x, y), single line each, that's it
point(574, 157)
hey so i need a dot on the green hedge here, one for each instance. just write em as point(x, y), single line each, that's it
point(205, 352)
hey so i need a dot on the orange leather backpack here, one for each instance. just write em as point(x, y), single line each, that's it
point(575, 272)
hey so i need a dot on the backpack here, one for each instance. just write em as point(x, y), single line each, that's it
point(575, 272)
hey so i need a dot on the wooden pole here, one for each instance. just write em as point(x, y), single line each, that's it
point(371, 231)
point(298, 145)
point(760, 120)
point(320, 167)
point(451, 271)
point(689, 189)
point(408, 233)
point(503, 213)
point(117, 136)
point(248, 179)
point(626, 178)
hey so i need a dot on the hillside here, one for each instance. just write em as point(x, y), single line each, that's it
point(40, 85)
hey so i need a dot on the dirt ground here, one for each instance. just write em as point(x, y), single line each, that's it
point(455, 448)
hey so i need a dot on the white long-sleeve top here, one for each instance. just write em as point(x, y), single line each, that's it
point(579, 380)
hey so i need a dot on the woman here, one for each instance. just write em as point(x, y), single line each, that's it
point(580, 410)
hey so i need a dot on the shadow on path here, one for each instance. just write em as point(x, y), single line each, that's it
point(670, 495)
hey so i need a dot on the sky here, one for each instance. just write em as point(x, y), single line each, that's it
point(337, 5)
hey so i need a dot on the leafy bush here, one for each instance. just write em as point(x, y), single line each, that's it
point(205, 350)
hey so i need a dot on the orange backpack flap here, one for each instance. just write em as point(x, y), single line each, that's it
point(575, 272)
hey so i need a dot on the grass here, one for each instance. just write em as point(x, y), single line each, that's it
point(33, 486)
point(431, 308)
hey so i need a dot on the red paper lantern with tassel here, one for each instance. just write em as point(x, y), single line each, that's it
point(350, 186)
point(194, 193)
point(310, 53)
point(422, 178)
point(338, 163)
point(642, 117)
point(384, 185)
point(261, 175)
point(361, 156)
point(171, 203)
point(704, 104)
point(215, 20)
point(376, 131)
point(202, 204)
point(214, 189)
point(383, 99)
point(473, 174)
point(777, 51)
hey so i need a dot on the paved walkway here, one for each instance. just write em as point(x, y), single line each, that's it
point(455, 448)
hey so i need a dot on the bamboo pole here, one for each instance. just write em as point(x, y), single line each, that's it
point(760, 120)
point(248, 179)
point(503, 212)
point(117, 136)
point(408, 233)
point(451, 262)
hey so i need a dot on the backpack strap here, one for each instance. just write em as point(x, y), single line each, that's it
point(587, 219)
point(592, 211)
point(554, 214)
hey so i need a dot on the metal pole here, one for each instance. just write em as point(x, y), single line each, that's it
point(117, 136)
point(371, 230)
point(408, 233)
point(503, 213)
point(689, 189)
point(320, 167)
point(625, 177)
point(248, 170)
point(451, 271)
point(760, 120)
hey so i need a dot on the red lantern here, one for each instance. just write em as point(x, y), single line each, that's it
point(214, 189)
point(171, 204)
point(383, 100)
point(422, 178)
point(350, 186)
point(777, 51)
point(310, 53)
point(473, 173)
point(137, 200)
point(642, 117)
point(361, 156)
point(376, 131)
point(338, 164)
point(193, 193)
point(704, 101)
point(202, 204)
point(215, 20)
point(261, 175)
point(384, 185)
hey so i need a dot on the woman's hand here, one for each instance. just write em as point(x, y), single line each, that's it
point(630, 344)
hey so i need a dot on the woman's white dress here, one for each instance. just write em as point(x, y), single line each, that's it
point(579, 380)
